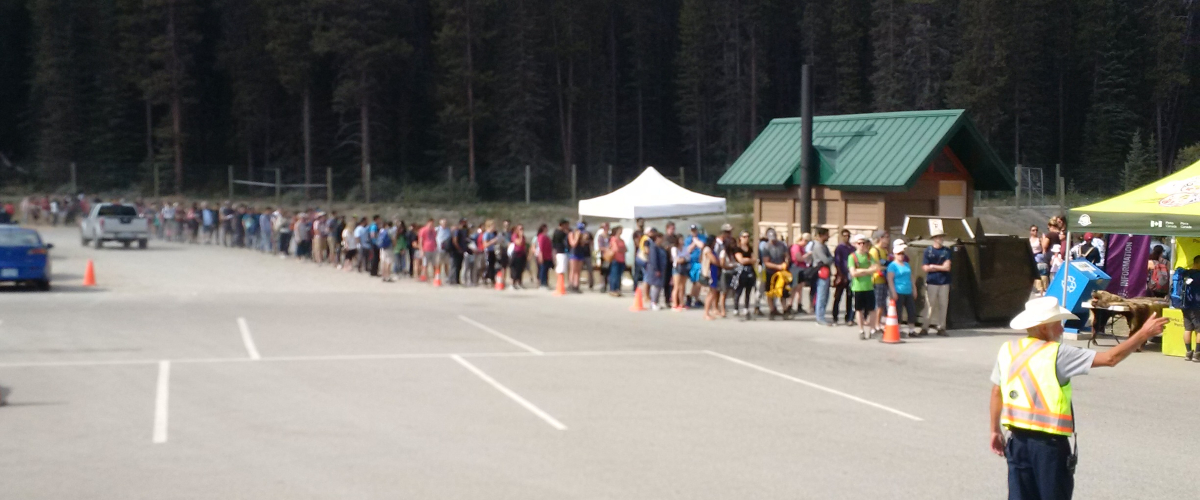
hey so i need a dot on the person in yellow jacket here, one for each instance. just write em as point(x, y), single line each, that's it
point(1032, 398)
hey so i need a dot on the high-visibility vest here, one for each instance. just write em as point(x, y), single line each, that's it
point(1033, 400)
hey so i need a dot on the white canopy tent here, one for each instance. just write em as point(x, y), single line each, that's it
point(651, 196)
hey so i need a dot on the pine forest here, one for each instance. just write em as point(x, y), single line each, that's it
point(416, 91)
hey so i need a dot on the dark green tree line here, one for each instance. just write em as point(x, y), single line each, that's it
point(408, 90)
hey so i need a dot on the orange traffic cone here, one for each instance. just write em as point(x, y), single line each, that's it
point(89, 274)
point(437, 278)
point(422, 278)
point(891, 328)
point(562, 286)
point(638, 304)
point(500, 280)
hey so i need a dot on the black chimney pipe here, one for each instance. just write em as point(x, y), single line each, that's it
point(806, 150)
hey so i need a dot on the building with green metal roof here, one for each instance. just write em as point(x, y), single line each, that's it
point(873, 169)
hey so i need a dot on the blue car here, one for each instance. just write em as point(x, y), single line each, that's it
point(24, 257)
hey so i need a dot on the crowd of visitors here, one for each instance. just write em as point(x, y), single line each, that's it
point(52, 210)
point(672, 269)
point(1050, 251)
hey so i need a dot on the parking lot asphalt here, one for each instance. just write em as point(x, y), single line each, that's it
point(207, 372)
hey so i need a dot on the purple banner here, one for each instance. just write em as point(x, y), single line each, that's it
point(1125, 261)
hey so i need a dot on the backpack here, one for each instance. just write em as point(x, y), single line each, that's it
point(1191, 285)
point(383, 239)
point(1160, 278)
point(1178, 287)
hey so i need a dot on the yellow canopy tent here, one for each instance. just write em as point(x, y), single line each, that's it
point(1167, 207)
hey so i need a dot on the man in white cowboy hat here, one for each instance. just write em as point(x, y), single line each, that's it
point(1031, 396)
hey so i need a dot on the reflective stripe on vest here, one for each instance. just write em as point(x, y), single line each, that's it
point(1033, 400)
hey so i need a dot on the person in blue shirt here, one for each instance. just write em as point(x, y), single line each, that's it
point(208, 220)
point(900, 287)
point(693, 245)
point(250, 221)
point(264, 230)
point(936, 264)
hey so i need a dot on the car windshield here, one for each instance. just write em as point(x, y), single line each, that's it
point(117, 211)
point(19, 239)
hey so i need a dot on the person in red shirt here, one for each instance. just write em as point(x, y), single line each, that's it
point(617, 246)
point(427, 239)
point(545, 256)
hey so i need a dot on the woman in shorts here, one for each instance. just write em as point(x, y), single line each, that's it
point(580, 249)
point(679, 277)
point(709, 260)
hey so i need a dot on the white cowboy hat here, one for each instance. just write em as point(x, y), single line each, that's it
point(1041, 311)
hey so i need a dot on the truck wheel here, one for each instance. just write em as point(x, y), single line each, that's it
point(126, 243)
point(99, 243)
point(42, 285)
point(142, 244)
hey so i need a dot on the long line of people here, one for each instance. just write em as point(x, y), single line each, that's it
point(678, 271)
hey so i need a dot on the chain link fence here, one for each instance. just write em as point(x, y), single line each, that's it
point(341, 183)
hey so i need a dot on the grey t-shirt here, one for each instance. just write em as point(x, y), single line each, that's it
point(1072, 361)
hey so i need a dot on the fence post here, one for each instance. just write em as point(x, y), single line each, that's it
point(1058, 186)
point(277, 187)
point(154, 166)
point(1017, 173)
point(329, 188)
point(574, 185)
point(528, 181)
point(610, 177)
point(74, 180)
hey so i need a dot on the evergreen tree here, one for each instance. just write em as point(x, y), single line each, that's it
point(461, 77)
point(521, 96)
point(289, 30)
point(979, 79)
point(169, 81)
point(694, 78)
point(56, 93)
point(364, 40)
point(15, 52)
point(1110, 118)
point(1171, 70)
point(887, 36)
point(852, 54)
point(1141, 164)
point(1187, 156)
point(492, 86)
point(244, 57)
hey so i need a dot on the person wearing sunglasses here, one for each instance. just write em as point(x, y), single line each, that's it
point(862, 269)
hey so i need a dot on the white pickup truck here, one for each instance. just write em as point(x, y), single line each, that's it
point(114, 222)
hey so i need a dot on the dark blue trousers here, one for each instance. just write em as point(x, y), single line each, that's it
point(1037, 466)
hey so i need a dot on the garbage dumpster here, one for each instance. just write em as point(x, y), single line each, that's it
point(991, 276)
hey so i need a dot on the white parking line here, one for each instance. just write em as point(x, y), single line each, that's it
point(347, 357)
point(511, 395)
point(160, 402)
point(815, 386)
point(499, 335)
point(247, 339)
